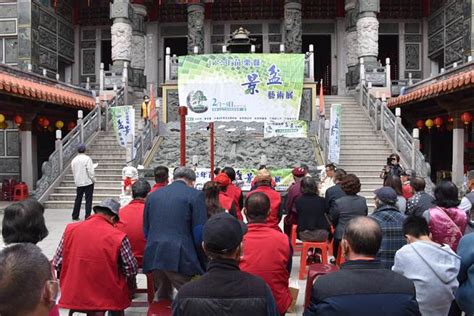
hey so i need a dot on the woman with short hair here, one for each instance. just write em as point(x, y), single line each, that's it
point(396, 183)
point(347, 207)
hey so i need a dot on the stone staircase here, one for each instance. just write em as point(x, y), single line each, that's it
point(364, 151)
point(111, 158)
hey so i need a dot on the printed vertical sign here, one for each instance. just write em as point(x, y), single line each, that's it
point(335, 134)
point(123, 120)
point(241, 87)
point(290, 129)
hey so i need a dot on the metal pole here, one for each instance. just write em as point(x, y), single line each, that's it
point(183, 111)
point(211, 140)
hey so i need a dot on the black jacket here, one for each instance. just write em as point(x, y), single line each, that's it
point(311, 210)
point(363, 287)
point(345, 209)
point(419, 203)
point(332, 194)
point(225, 290)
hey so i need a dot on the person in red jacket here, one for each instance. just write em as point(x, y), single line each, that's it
point(226, 202)
point(131, 218)
point(263, 182)
point(96, 263)
point(405, 177)
point(234, 191)
point(161, 178)
point(267, 252)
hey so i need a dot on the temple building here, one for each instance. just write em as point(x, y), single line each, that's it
point(73, 37)
point(91, 43)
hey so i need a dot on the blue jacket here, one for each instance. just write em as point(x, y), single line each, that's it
point(464, 294)
point(172, 224)
point(363, 287)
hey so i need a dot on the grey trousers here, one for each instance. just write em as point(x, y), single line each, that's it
point(165, 281)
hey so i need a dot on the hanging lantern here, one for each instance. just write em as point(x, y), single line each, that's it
point(59, 124)
point(420, 124)
point(3, 125)
point(70, 126)
point(438, 122)
point(2, 118)
point(40, 120)
point(450, 119)
point(45, 123)
point(466, 118)
point(18, 120)
point(429, 123)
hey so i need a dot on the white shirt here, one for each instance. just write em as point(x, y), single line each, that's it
point(465, 205)
point(83, 170)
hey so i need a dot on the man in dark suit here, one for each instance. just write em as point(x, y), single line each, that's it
point(172, 224)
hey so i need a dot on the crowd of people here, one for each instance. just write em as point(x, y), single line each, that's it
point(218, 251)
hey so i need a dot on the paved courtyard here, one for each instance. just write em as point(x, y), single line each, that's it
point(56, 221)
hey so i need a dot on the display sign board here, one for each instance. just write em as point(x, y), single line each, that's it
point(335, 134)
point(123, 121)
point(241, 87)
point(290, 129)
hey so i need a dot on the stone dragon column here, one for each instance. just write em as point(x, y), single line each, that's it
point(138, 44)
point(368, 32)
point(293, 26)
point(196, 27)
point(121, 13)
point(350, 44)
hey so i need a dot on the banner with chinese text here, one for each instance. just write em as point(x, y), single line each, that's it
point(241, 87)
point(334, 134)
point(244, 178)
point(290, 129)
point(123, 121)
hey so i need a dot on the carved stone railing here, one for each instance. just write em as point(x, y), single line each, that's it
point(401, 141)
point(66, 148)
point(143, 143)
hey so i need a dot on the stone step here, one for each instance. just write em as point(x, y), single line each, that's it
point(356, 129)
point(360, 173)
point(98, 183)
point(364, 144)
point(97, 190)
point(108, 156)
point(361, 164)
point(355, 153)
point(67, 205)
point(355, 133)
point(360, 136)
point(71, 196)
point(100, 177)
point(105, 146)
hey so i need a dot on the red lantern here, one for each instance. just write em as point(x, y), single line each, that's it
point(450, 119)
point(438, 122)
point(70, 126)
point(40, 120)
point(18, 120)
point(420, 124)
point(45, 123)
point(466, 118)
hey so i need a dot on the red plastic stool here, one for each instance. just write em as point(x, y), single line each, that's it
point(323, 246)
point(92, 313)
point(20, 192)
point(316, 270)
point(161, 308)
point(296, 245)
point(340, 257)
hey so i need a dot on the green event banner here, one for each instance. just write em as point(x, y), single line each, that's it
point(241, 87)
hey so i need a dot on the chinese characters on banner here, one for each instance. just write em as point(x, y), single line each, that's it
point(123, 120)
point(335, 134)
point(244, 178)
point(290, 129)
point(241, 87)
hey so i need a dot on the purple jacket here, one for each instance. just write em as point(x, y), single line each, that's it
point(447, 225)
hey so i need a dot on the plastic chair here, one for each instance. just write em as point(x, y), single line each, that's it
point(296, 245)
point(323, 246)
point(161, 308)
point(8, 187)
point(316, 270)
point(340, 258)
point(20, 191)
